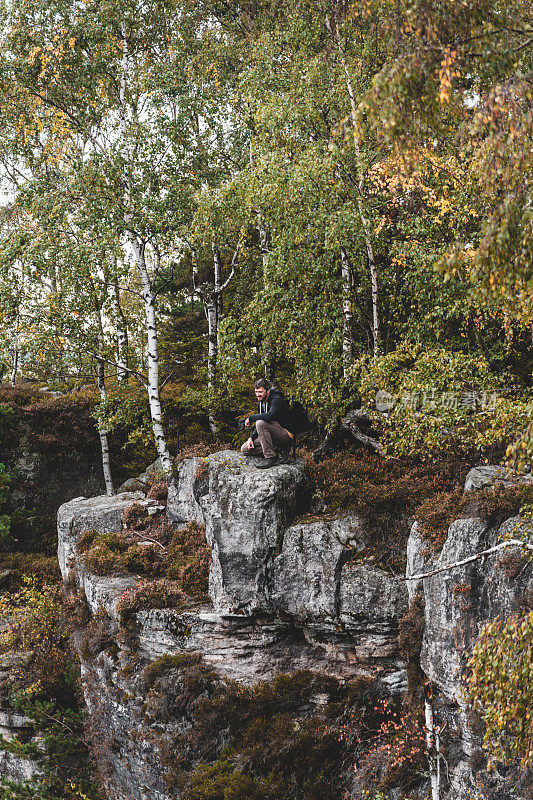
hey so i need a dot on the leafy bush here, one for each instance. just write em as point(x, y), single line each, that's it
point(6, 478)
point(441, 398)
point(44, 570)
point(500, 688)
point(44, 686)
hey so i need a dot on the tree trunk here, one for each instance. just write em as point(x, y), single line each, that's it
point(267, 344)
point(121, 328)
point(212, 353)
point(347, 316)
point(152, 353)
point(100, 366)
point(213, 320)
point(138, 248)
point(333, 27)
point(16, 351)
point(104, 442)
point(432, 743)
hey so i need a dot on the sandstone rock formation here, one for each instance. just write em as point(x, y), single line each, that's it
point(285, 594)
point(284, 597)
point(457, 602)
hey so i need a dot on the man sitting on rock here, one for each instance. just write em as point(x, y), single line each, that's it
point(273, 427)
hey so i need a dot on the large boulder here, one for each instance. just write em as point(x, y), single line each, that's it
point(103, 514)
point(371, 599)
point(246, 516)
point(185, 489)
point(487, 477)
point(308, 568)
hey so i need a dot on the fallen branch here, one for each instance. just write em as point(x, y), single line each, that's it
point(147, 540)
point(495, 549)
point(351, 427)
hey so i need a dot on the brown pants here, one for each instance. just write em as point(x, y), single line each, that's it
point(269, 434)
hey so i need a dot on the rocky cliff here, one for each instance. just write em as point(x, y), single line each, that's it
point(287, 594)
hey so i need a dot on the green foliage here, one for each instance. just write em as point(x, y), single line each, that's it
point(500, 688)
point(6, 479)
point(440, 399)
point(43, 685)
point(6, 419)
point(43, 569)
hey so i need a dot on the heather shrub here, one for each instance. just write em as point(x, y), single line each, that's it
point(385, 492)
point(162, 593)
point(179, 559)
point(494, 505)
point(159, 491)
point(410, 635)
point(293, 736)
point(43, 569)
point(135, 516)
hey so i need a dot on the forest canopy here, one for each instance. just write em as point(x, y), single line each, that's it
point(335, 195)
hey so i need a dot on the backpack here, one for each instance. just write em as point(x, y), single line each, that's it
point(299, 418)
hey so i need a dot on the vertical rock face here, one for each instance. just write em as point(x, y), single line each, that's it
point(457, 603)
point(284, 596)
point(245, 512)
point(453, 607)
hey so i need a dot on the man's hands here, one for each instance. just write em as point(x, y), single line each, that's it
point(250, 443)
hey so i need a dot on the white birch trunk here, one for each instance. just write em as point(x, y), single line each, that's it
point(347, 316)
point(152, 355)
point(432, 744)
point(211, 298)
point(104, 441)
point(102, 433)
point(212, 303)
point(121, 332)
point(147, 288)
point(212, 353)
point(16, 352)
point(265, 255)
point(376, 332)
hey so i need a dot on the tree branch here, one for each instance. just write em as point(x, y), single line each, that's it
point(133, 372)
point(232, 273)
point(495, 549)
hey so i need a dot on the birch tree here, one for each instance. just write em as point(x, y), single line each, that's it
point(104, 79)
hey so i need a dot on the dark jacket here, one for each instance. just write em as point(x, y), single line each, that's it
point(274, 409)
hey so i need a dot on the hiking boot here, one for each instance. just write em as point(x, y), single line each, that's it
point(284, 455)
point(267, 462)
